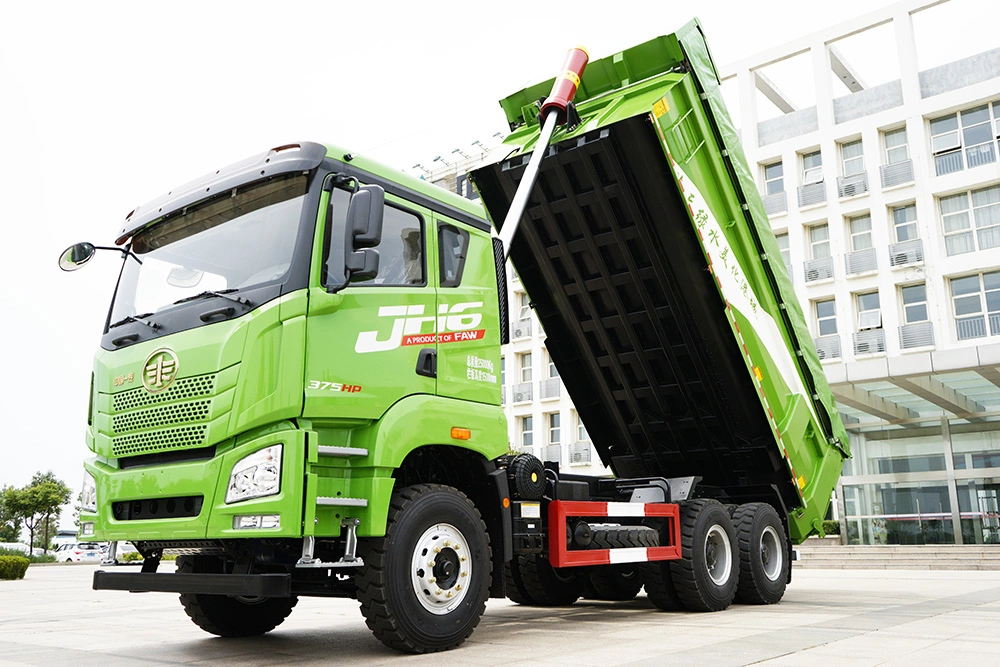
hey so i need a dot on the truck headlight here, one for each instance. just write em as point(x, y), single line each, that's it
point(88, 496)
point(256, 475)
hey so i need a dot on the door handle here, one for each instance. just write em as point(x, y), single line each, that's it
point(427, 363)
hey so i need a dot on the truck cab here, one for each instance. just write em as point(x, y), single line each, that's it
point(287, 334)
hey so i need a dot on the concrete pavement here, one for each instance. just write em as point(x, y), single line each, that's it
point(827, 617)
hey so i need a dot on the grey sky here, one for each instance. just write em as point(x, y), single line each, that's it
point(107, 105)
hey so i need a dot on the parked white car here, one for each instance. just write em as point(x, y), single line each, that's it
point(79, 552)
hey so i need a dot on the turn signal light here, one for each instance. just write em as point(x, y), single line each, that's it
point(460, 433)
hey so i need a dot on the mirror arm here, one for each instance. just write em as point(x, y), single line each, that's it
point(126, 251)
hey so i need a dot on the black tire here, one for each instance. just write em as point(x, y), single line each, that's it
point(707, 574)
point(617, 582)
point(230, 616)
point(513, 585)
point(526, 474)
point(660, 586)
point(764, 558)
point(547, 586)
point(407, 604)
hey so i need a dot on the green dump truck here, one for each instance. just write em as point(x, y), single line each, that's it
point(297, 390)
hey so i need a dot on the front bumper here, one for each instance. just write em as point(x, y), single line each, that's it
point(208, 480)
point(250, 585)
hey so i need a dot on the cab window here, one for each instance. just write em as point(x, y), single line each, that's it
point(453, 248)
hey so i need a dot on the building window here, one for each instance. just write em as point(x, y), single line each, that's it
point(581, 431)
point(826, 317)
point(774, 178)
point(819, 241)
point(972, 130)
point(524, 306)
point(976, 301)
point(869, 312)
point(904, 222)
point(553, 371)
point(812, 168)
point(554, 435)
point(527, 438)
point(896, 149)
point(503, 371)
point(914, 298)
point(861, 232)
point(957, 220)
point(853, 157)
point(786, 253)
point(524, 363)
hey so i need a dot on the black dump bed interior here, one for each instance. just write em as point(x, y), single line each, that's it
point(634, 322)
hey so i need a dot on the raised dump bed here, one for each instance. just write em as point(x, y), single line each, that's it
point(651, 266)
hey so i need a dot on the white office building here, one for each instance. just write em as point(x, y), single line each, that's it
point(885, 199)
point(884, 194)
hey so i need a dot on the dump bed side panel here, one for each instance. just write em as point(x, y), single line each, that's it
point(633, 317)
point(655, 275)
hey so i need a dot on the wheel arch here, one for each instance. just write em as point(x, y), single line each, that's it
point(478, 478)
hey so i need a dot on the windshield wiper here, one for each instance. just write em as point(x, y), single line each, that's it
point(223, 294)
point(137, 318)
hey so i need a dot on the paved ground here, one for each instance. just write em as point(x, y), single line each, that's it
point(828, 617)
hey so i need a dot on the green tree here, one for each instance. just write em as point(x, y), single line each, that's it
point(38, 502)
point(10, 520)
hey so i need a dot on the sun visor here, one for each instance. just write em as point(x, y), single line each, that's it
point(289, 158)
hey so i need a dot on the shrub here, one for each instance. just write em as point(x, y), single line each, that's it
point(831, 527)
point(13, 567)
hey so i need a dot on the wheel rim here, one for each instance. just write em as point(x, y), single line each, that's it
point(771, 553)
point(718, 555)
point(441, 568)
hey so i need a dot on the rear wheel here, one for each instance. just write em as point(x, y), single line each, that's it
point(230, 616)
point(548, 586)
point(763, 550)
point(619, 582)
point(425, 583)
point(706, 576)
point(513, 585)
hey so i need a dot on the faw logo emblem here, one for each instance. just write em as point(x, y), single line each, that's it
point(159, 370)
point(411, 326)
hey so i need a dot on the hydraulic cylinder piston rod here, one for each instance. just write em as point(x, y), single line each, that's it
point(553, 112)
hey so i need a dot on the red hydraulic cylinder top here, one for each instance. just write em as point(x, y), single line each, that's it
point(565, 85)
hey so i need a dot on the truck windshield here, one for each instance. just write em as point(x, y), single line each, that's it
point(242, 239)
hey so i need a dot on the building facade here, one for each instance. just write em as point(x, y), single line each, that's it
point(885, 201)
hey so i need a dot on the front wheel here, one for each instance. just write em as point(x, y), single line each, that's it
point(425, 582)
point(230, 616)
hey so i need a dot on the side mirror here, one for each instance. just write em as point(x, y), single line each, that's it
point(362, 263)
point(76, 256)
point(364, 217)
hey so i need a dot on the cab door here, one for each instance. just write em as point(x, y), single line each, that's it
point(468, 316)
point(364, 342)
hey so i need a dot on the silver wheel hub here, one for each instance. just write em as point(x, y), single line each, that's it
point(441, 568)
point(771, 556)
point(718, 555)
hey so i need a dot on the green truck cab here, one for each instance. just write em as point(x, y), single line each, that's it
point(298, 387)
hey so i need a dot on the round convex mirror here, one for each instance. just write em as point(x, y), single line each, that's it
point(76, 256)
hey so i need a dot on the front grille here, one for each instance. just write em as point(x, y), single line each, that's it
point(165, 458)
point(157, 508)
point(167, 414)
point(154, 441)
point(193, 387)
point(145, 423)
